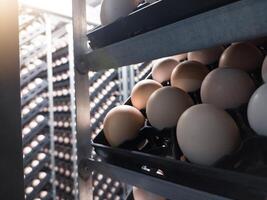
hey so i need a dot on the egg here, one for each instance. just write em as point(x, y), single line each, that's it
point(257, 111)
point(227, 88)
point(180, 57)
point(189, 75)
point(206, 56)
point(206, 133)
point(264, 70)
point(142, 91)
point(122, 123)
point(243, 56)
point(165, 106)
point(140, 194)
point(35, 182)
point(162, 69)
point(111, 10)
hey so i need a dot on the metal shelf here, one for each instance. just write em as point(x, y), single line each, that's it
point(37, 189)
point(28, 77)
point(34, 132)
point(104, 83)
point(60, 84)
point(35, 151)
point(25, 119)
point(35, 171)
point(25, 99)
point(104, 98)
point(237, 21)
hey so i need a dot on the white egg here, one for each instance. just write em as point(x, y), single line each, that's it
point(257, 110)
point(206, 133)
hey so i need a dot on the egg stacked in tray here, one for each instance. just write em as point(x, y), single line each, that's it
point(206, 107)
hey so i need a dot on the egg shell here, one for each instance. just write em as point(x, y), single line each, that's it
point(227, 88)
point(111, 10)
point(243, 56)
point(189, 75)
point(162, 69)
point(257, 111)
point(206, 56)
point(206, 133)
point(180, 57)
point(140, 194)
point(122, 123)
point(264, 70)
point(165, 106)
point(142, 91)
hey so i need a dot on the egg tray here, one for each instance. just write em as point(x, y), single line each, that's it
point(146, 18)
point(157, 153)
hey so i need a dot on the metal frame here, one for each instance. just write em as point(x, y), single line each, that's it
point(72, 109)
point(83, 135)
point(51, 100)
point(11, 165)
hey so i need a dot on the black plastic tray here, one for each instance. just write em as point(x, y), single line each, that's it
point(245, 170)
point(150, 17)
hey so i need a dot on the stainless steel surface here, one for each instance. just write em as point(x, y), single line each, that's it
point(73, 111)
point(83, 135)
point(51, 99)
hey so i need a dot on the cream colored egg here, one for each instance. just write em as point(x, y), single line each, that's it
point(227, 88)
point(165, 106)
point(142, 91)
point(257, 110)
point(189, 75)
point(140, 194)
point(162, 69)
point(122, 123)
point(111, 10)
point(206, 56)
point(243, 56)
point(35, 182)
point(180, 57)
point(206, 133)
point(264, 70)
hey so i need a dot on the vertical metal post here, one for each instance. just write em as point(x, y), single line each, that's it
point(51, 99)
point(11, 164)
point(126, 78)
point(72, 110)
point(83, 135)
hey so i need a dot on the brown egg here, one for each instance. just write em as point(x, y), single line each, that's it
point(122, 123)
point(180, 57)
point(227, 88)
point(162, 69)
point(142, 91)
point(189, 75)
point(165, 106)
point(206, 56)
point(264, 70)
point(205, 134)
point(140, 194)
point(243, 56)
point(111, 10)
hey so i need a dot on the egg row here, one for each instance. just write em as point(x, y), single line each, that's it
point(32, 125)
point(31, 87)
point(200, 127)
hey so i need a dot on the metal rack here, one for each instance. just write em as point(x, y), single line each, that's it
point(35, 136)
point(237, 21)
